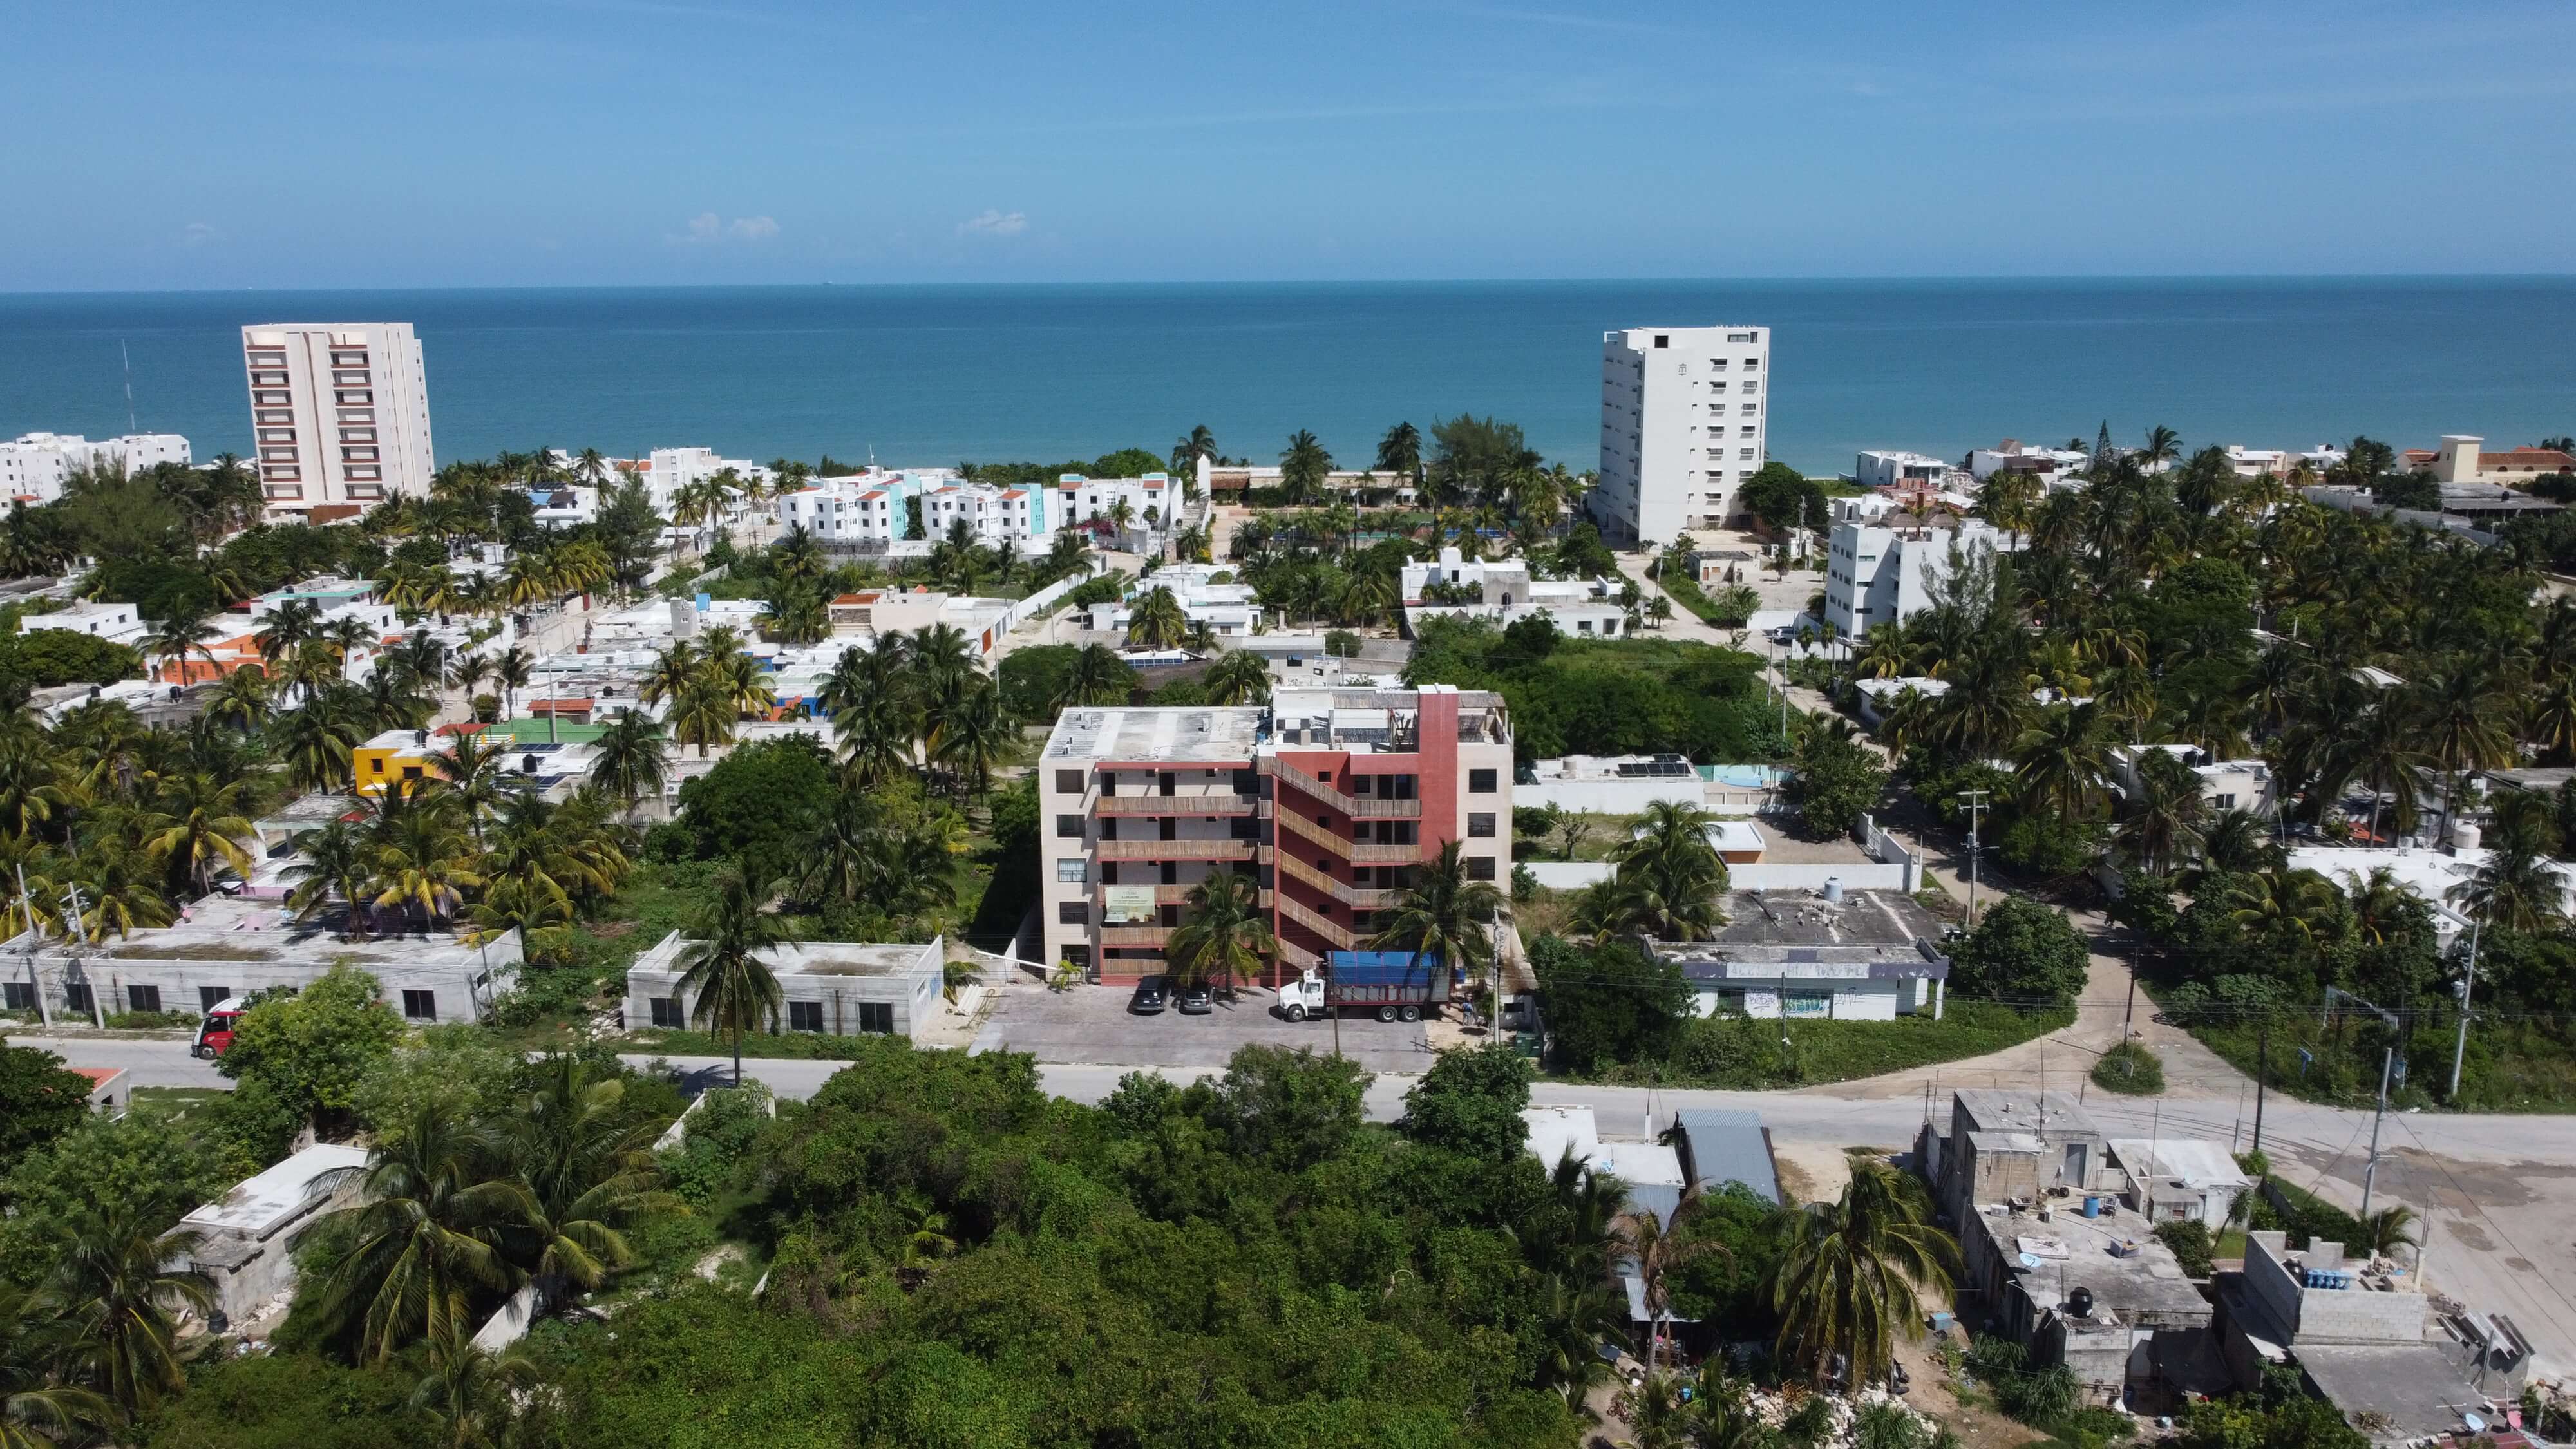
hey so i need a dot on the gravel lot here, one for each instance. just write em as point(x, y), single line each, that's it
point(1091, 1024)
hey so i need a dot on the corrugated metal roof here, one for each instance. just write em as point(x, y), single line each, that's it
point(1720, 1147)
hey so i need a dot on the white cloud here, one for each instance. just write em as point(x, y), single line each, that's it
point(708, 229)
point(994, 223)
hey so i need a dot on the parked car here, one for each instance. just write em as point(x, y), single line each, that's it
point(1197, 999)
point(1152, 993)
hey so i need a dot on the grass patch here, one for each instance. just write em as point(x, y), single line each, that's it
point(2511, 1066)
point(176, 1102)
point(1745, 1054)
point(2131, 1070)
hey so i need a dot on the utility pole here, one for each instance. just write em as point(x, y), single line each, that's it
point(35, 943)
point(1976, 812)
point(2262, 1075)
point(71, 948)
point(2370, 1173)
point(2468, 984)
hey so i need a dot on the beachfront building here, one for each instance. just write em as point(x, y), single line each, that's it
point(2049, 465)
point(1881, 574)
point(340, 412)
point(34, 465)
point(1684, 416)
point(1329, 798)
point(1505, 591)
point(2462, 459)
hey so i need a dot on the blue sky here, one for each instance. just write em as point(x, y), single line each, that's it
point(158, 144)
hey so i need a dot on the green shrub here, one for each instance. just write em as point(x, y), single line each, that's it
point(2130, 1069)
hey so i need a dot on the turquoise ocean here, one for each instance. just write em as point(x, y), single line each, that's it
point(935, 374)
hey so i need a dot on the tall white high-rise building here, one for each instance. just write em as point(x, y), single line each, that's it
point(339, 413)
point(1685, 414)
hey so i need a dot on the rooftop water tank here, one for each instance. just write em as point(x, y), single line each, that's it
point(2079, 1302)
point(1834, 890)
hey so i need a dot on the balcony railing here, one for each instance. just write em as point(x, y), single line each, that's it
point(1325, 926)
point(1227, 804)
point(1365, 806)
point(1348, 849)
point(1356, 897)
point(1241, 850)
point(1292, 954)
point(1133, 935)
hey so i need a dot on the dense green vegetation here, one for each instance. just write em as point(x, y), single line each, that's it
point(1605, 697)
point(2395, 665)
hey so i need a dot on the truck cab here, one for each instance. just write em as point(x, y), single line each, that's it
point(215, 1033)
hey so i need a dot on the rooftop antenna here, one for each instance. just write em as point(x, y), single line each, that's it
point(124, 353)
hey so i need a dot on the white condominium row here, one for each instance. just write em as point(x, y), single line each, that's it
point(876, 506)
point(32, 468)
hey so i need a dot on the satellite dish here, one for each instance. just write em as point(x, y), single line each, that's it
point(2030, 1260)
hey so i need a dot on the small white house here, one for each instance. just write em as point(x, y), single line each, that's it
point(246, 1242)
point(835, 988)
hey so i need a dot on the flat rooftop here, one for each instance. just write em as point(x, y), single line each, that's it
point(229, 928)
point(843, 958)
point(1156, 735)
point(2135, 1279)
point(2419, 1387)
point(1866, 918)
point(1995, 1110)
point(260, 1205)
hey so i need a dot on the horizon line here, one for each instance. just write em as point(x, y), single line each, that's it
point(1939, 279)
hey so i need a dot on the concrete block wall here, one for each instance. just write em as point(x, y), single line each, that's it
point(2359, 1315)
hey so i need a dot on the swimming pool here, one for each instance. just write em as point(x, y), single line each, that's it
point(1744, 777)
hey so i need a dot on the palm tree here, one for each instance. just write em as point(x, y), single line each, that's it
point(2463, 721)
point(1444, 917)
point(1400, 452)
point(2064, 758)
point(1657, 1248)
point(37, 1409)
point(315, 742)
point(1669, 878)
point(1200, 443)
point(240, 699)
point(510, 670)
point(426, 1233)
point(1157, 621)
point(586, 1160)
point(1225, 937)
point(197, 820)
point(2166, 817)
point(1303, 465)
point(1096, 677)
point(1575, 1317)
point(629, 759)
point(1238, 678)
point(471, 1395)
point(474, 774)
point(334, 863)
point(2387, 1230)
point(292, 625)
point(116, 1297)
point(730, 988)
point(186, 631)
point(1849, 1277)
point(970, 734)
point(2518, 888)
point(420, 858)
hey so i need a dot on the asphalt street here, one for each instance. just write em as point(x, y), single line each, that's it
point(2494, 1189)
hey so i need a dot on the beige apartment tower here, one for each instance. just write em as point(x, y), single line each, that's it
point(340, 415)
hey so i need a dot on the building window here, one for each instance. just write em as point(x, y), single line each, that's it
point(142, 998)
point(2224, 802)
point(1480, 782)
point(1068, 782)
point(1073, 913)
point(18, 995)
point(1068, 827)
point(1071, 872)
point(1480, 867)
point(876, 1017)
point(666, 1012)
point(76, 997)
point(210, 997)
point(420, 1006)
point(1480, 825)
point(804, 1016)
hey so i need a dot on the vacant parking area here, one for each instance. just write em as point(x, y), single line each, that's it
point(1090, 1024)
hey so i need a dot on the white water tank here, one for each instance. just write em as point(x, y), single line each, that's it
point(2465, 836)
point(1833, 890)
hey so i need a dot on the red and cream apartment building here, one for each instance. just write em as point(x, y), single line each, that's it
point(1329, 798)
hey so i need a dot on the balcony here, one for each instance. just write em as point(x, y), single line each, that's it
point(1228, 850)
point(1331, 930)
point(1351, 850)
point(1363, 806)
point(1227, 804)
point(1359, 898)
point(1134, 936)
